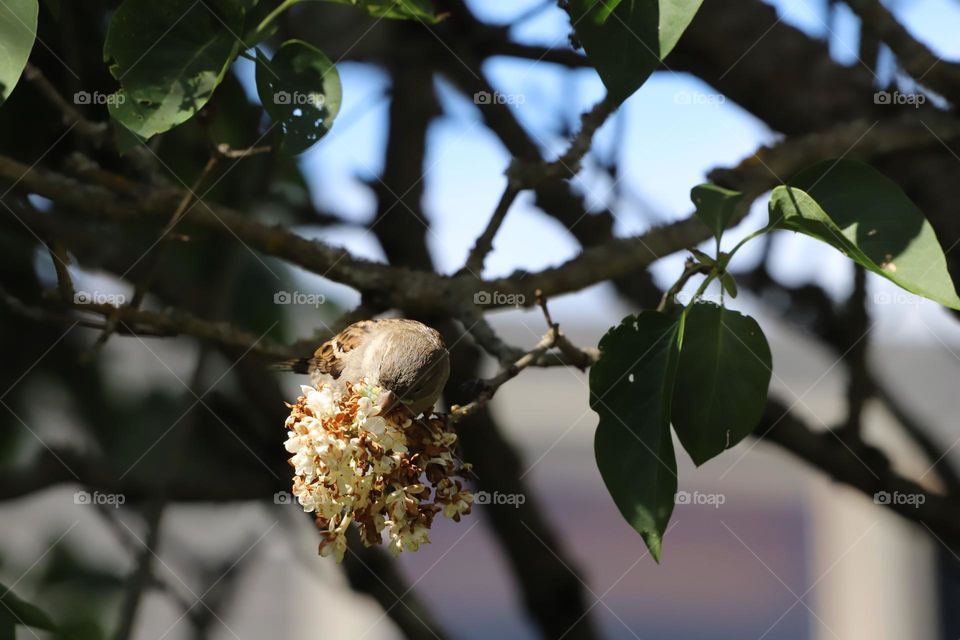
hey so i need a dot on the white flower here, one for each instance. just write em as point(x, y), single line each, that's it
point(353, 465)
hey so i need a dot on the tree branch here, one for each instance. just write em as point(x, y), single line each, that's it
point(940, 513)
point(919, 61)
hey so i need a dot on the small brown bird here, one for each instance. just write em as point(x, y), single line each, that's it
point(405, 357)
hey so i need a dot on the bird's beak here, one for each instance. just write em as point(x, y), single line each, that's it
point(388, 400)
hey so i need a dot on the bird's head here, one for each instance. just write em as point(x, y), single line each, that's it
point(417, 377)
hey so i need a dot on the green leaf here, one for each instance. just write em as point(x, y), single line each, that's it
point(18, 30)
point(300, 89)
point(630, 389)
point(675, 17)
point(253, 17)
point(627, 39)
point(403, 9)
point(722, 380)
point(715, 207)
point(124, 138)
point(169, 57)
point(729, 284)
point(23, 612)
point(856, 209)
point(8, 626)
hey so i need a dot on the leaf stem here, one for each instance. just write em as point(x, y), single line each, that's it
point(283, 6)
point(755, 234)
point(691, 269)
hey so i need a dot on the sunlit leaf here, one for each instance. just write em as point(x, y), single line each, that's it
point(18, 30)
point(856, 209)
point(715, 207)
point(627, 39)
point(300, 89)
point(169, 57)
point(403, 9)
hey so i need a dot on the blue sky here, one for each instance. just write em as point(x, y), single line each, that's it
point(672, 132)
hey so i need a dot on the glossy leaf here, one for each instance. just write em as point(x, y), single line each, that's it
point(856, 209)
point(18, 31)
point(675, 17)
point(403, 9)
point(722, 380)
point(627, 39)
point(169, 57)
point(254, 16)
point(631, 389)
point(729, 284)
point(300, 89)
point(715, 207)
point(702, 258)
point(23, 612)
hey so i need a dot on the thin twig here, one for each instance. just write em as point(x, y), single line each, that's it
point(71, 115)
point(152, 259)
point(484, 335)
point(531, 174)
point(528, 359)
point(142, 577)
point(856, 320)
point(484, 243)
point(919, 61)
point(691, 268)
point(525, 175)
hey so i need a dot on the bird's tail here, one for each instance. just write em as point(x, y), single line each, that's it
point(296, 365)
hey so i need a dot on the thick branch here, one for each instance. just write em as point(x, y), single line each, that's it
point(421, 290)
point(913, 56)
point(941, 514)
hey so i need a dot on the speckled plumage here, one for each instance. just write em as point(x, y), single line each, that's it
point(403, 356)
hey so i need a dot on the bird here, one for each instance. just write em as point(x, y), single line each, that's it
point(406, 358)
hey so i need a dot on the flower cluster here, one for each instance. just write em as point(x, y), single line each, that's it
point(388, 472)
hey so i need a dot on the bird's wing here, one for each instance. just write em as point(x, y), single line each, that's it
point(330, 357)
